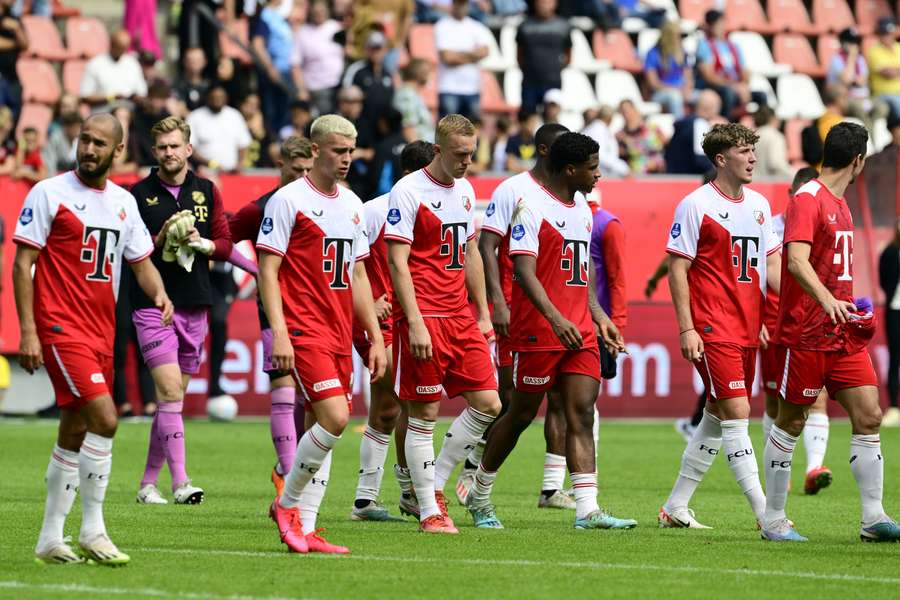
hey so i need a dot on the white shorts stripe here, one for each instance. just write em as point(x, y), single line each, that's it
point(787, 361)
point(300, 385)
point(65, 373)
point(712, 386)
point(515, 367)
point(397, 373)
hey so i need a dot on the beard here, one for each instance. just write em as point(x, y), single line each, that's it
point(102, 168)
point(172, 171)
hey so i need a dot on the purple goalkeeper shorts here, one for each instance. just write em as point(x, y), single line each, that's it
point(180, 342)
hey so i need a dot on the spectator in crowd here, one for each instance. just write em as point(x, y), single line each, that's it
point(140, 22)
point(521, 152)
point(263, 149)
point(605, 13)
point(684, 153)
point(235, 77)
point(113, 76)
point(669, 72)
point(59, 152)
point(393, 17)
point(300, 120)
point(68, 103)
point(124, 163)
point(197, 28)
point(431, 11)
point(884, 64)
point(553, 102)
point(317, 60)
point(148, 112)
point(481, 160)
point(651, 12)
point(385, 170)
point(350, 106)
point(544, 49)
point(192, 86)
point(848, 67)
point(640, 145)
point(461, 42)
point(29, 162)
point(596, 127)
point(149, 66)
point(771, 148)
point(13, 41)
point(418, 123)
point(370, 76)
point(501, 139)
point(836, 99)
point(219, 133)
point(721, 66)
point(7, 142)
point(272, 38)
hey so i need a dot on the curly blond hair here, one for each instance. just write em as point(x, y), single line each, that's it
point(724, 136)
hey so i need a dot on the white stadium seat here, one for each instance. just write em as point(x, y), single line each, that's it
point(615, 85)
point(756, 53)
point(798, 97)
point(583, 57)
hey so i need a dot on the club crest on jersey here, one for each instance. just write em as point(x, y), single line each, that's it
point(267, 225)
point(393, 216)
point(198, 197)
point(759, 216)
point(490, 210)
point(588, 225)
point(356, 218)
point(153, 201)
point(122, 214)
point(518, 232)
point(676, 230)
point(27, 216)
point(467, 203)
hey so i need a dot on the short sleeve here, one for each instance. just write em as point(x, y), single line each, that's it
point(801, 218)
point(297, 50)
point(35, 219)
point(401, 216)
point(243, 133)
point(834, 69)
point(523, 238)
point(361, 243)
point(773, 241)
point(685, 230)
point(484, 35)
point(499, 212)
point(138, 244)
point(704, 53)
point(567, 41)
point(277, 225)
point(651, 62)
point(441, 41)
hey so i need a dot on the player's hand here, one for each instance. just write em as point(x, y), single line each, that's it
point(163, 232)
point(202, 245)
point(162, 302)
point(567, 333)
point(651, 287)
point(764, 338)
point(283, 351)
point(487, 329)
point(383, 308)
point(377, 361)
point(691, 345)
point(419, 340)
point(500, 318)
point(611, 336)
point(838, 310)
point(30, 355)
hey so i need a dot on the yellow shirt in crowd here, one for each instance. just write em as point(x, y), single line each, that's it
point(881, 57)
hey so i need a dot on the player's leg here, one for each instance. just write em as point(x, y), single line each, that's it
point(283, 395)
point(552, 495)
point(769, 414)
point(156, 460)
point(408, 505)
point(815, 441)
point(738, 449)
point(421, 460)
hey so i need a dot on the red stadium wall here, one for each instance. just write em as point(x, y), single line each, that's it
point(654, 380)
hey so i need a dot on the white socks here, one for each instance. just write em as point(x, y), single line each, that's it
point(777, 456)
point(480, 494)
point(62, 485)
point(554, 472)
point(867, 465)
point(815, 440)
point(93, 473)
point(767, 423)
point(404, 481)
point(372, 453)
point(420, 459)
point(314, 446)
point(585, 487)
point(313, 494)
point(698, 457)
point(462, 437)
point(738, 450)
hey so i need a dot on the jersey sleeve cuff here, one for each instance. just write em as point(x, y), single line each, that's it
point(773, 250)
point(679, 253)
point(144, 256)
point(363, 256)
point(24, 241)
point(492, 230)
point(471, 237)
point(525, 252)
point(269, 249)
point(397, 238)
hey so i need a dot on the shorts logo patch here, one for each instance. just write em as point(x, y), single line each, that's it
point(151, 346)
point(811, 393)
point(326, 385)
point(267, 225)
point(771, 385)
point(490, 209)
point(676, 230)
point(27, 216)
point(518, 232)
point(535, 380)
point(429, 389)
point(393, 216)
point(97, 378)
point(736, 385)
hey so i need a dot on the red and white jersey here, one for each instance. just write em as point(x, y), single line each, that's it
point(815, 216)
point(437, 221)
point(375, 213)
point(320, 237)
point(727, 240)
point(770, 313)
point(83, 234)
point(558, 235)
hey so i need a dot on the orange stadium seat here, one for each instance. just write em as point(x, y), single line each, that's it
point(794, 49)
point(37, 116)
point(492, 100)
point(826, 47)
point(791, 15)
point(832, 15)
point(868, 42)
point(61, 11)
point(44, 39)
point(694, 10)
point(869, 11)
point(792, 130)
point(616, 47)
point(86, 37)
point(39, 81)
point(241, 29)
point(72, 73)
point(421, 42)
point(746, 15)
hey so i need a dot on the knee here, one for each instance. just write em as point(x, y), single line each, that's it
point(580, 421)
point(793, 425)
point(385, 419)
point(867, 421)
point(522, 416)
point(104, 425)
point(334, 424)
point(169, 391)
point(488, 404)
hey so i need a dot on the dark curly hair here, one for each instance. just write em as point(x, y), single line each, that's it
point(571, 149)
point(724, 136)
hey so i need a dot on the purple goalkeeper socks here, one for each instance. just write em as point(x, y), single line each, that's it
point(156, 455)
point(281, 423)
point(171, 431)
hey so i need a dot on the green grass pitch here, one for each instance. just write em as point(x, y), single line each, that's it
point(228, 548)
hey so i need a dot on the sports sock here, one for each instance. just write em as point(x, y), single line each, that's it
point(372, 452)
point(815, 440)
point(867, 465)
point(474, 457)
point(696, 460)
point(281, 424)
point(156, 455)
point(314, 446)
point(585, 487)
point(554, 472)
point(62, 485)
point(767, 423)
point(404, 481)
point(480, 494)
point(595, 429)
point(94, 466)
point(420, 458)
point(742, 462)
point(778, 456)
point(460, 439)
point(313, 494)
point(171, 431)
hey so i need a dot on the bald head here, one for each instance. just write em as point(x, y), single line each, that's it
point(708, 104)
point(106, 123)
point(119, 43)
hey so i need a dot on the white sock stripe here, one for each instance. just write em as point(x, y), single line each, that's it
point(316, 441)
point(779, 446)
point(482, 418)
point(95, 451)
point(377, 436)
point(65, 373)
point(63, 461)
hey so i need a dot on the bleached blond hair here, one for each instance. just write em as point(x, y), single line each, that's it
point(328, 124)
point(453, 125)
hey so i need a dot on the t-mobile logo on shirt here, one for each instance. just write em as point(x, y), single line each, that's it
point(101, 255)
point(843, 243)
point(574, 261)
point(745, 258)
point(453, 246)
point(335, 260)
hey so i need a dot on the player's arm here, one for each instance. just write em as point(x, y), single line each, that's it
point(661, 271)
point(147, 276)
point(270, 292)
point(405, 293)
point(773, 271)
point(475, 287)
point(364, 313)
point(613, 245)
point(689, 339)
point(488, 243)
point(800, 269)
point(608, 330)
point(219, 246)
point(30, 356)
point(524, 266)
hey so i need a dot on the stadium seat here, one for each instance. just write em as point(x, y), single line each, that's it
point(792, 130)
point(44, 39)
point(758, 83)
point(37, 116)
point(793, 49)
point(798, 97)
point(826, 47)
point(615, 46)
point(512, 87)
point(61, 11)
point(756, 54)
point(791, 15)
point(495, 61)
point(832, 15)
point(508, 46)
point(572, 119)
point(492, 100)
point(868, 12)
point(86, 37)
point(694, 10)
point(421, 42)
point(241, 30)
point(72, 72)
point(746, 15)
point(39, 81)
point(646, 40)
point(616, 85)
point(867, 43)
point(583, 57)
point(578, 93)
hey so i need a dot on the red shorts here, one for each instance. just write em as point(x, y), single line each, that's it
point(362, 344)
point(460, 360)
point(769, 371)
point(727, 370)
point(805, 372)
point(321, 374)
point(78, 373)
point(538, 370)
point(503, 349)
